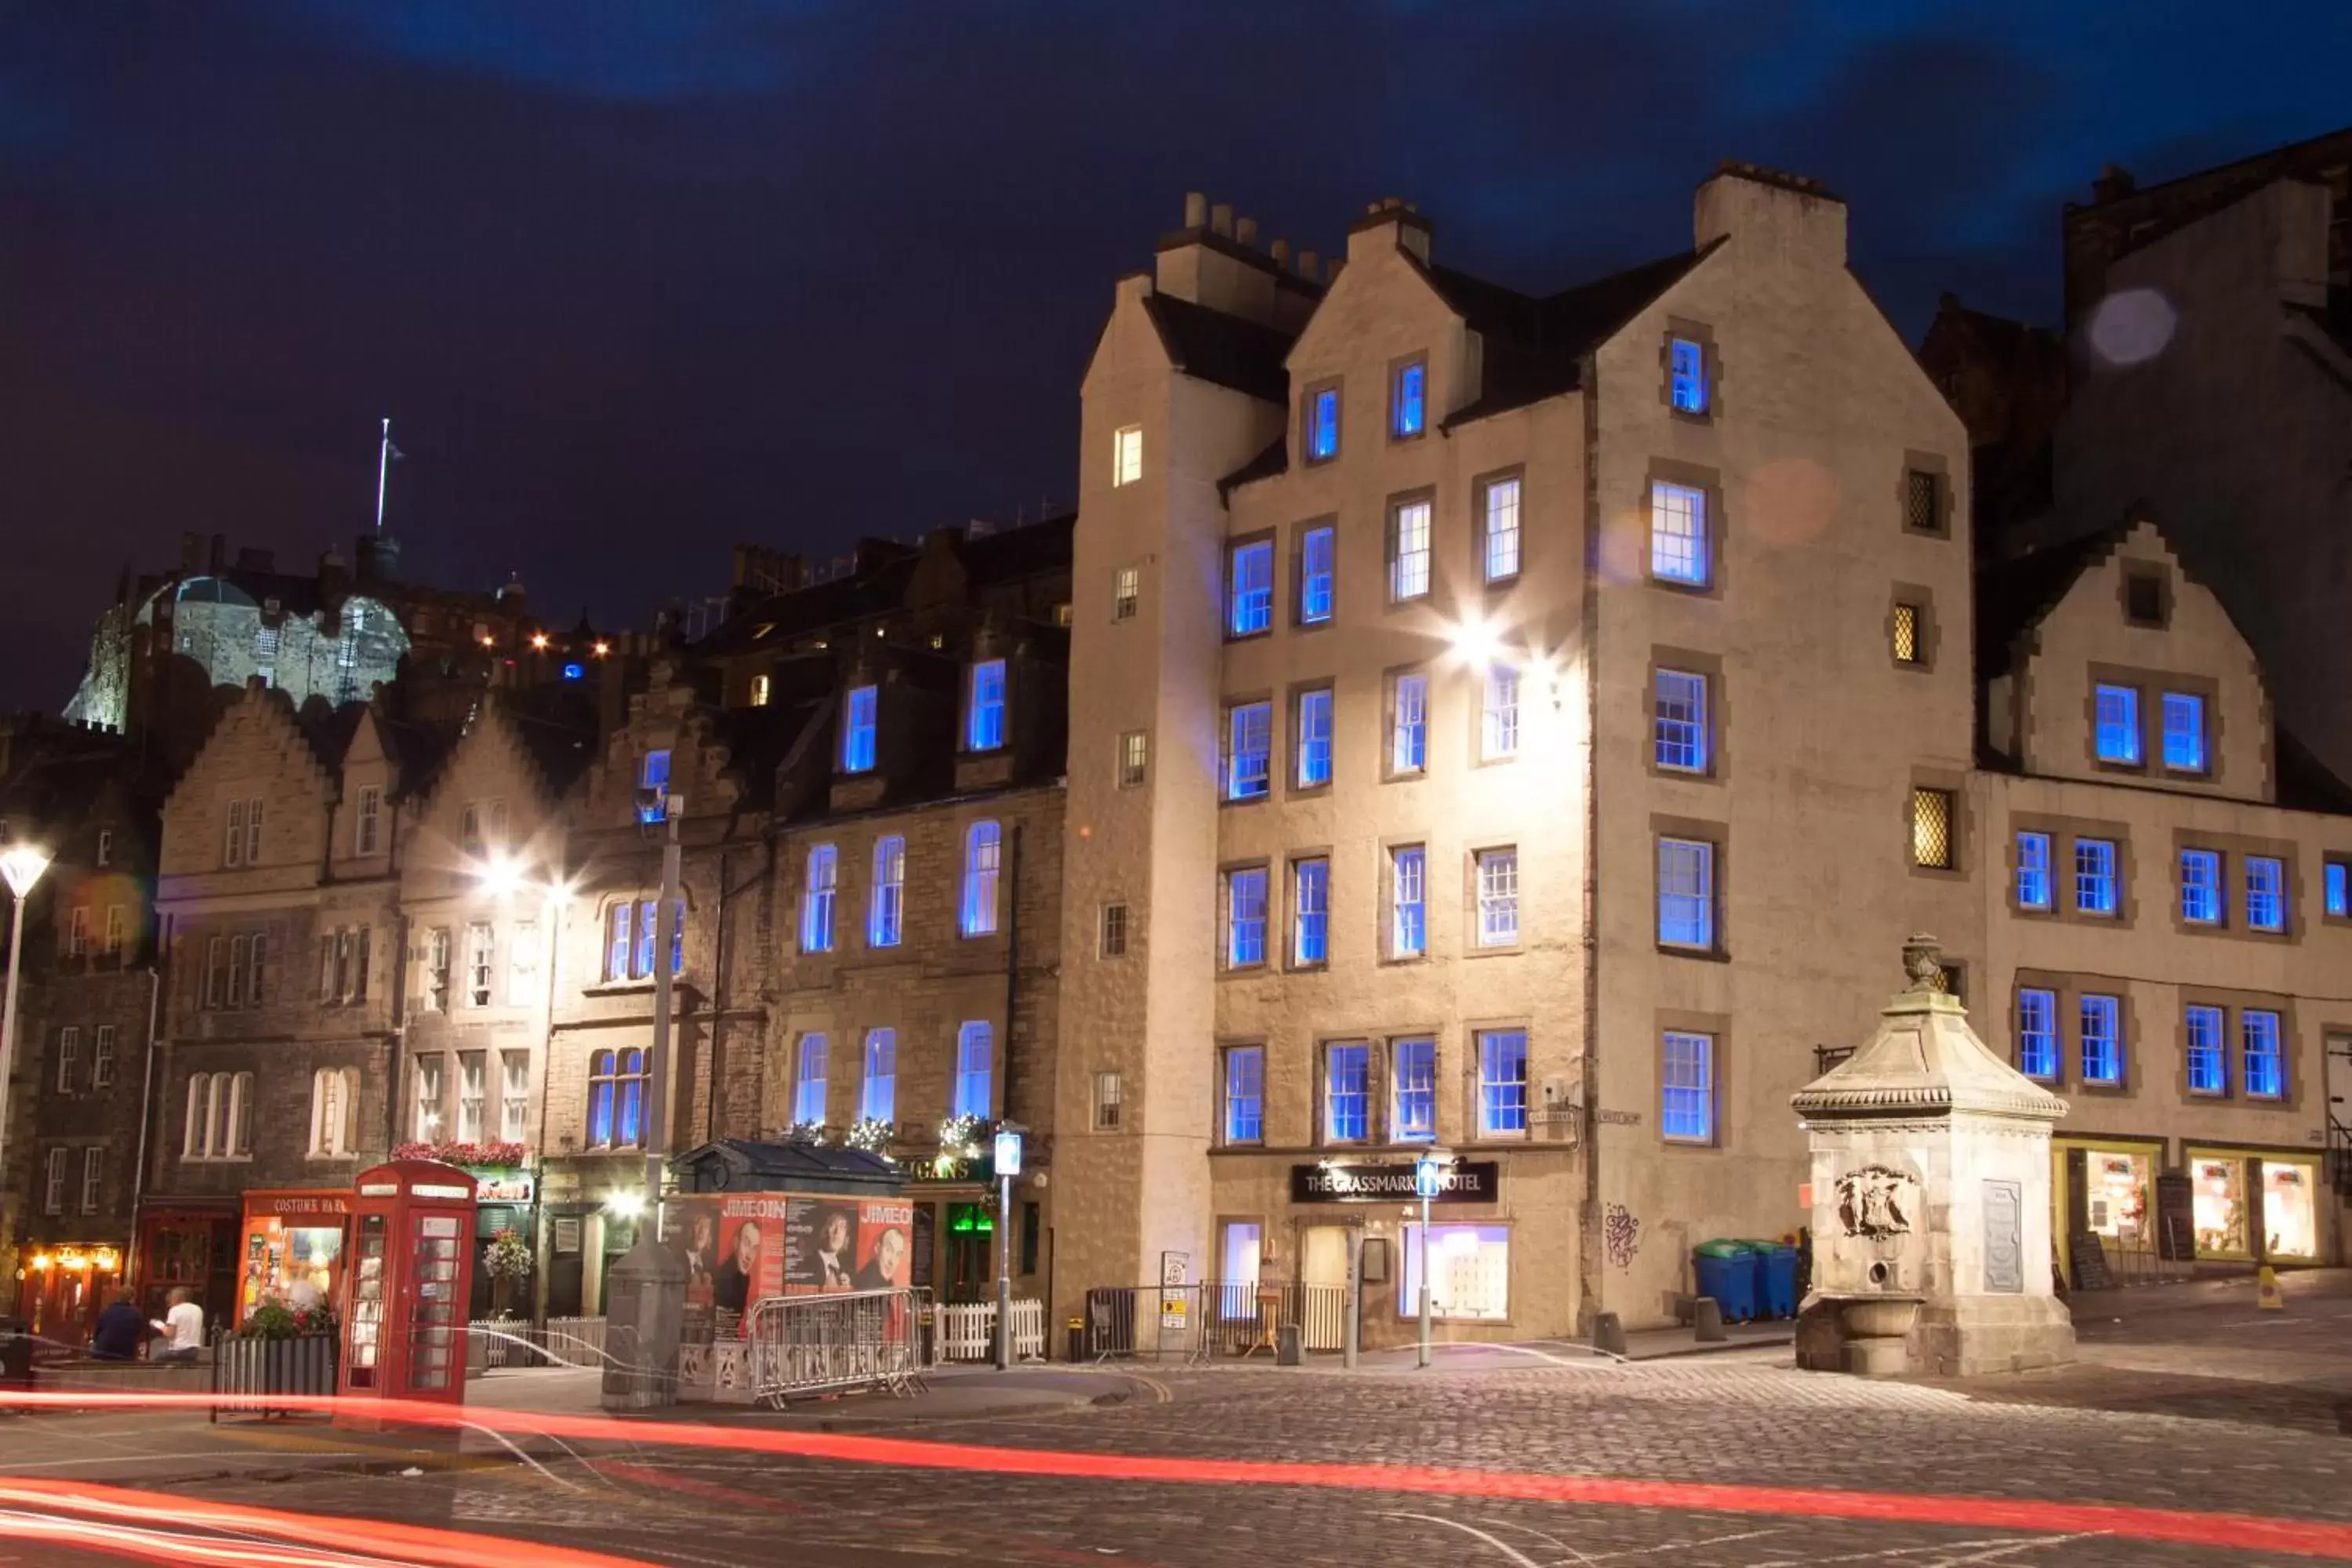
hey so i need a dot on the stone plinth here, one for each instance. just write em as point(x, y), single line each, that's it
point(1931, 1199)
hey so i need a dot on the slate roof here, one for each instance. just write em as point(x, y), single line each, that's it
point(2012, 597)
point(1213, 346)
point(562, 751)
point(1535, 348)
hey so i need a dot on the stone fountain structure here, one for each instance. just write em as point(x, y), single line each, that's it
point(1931, 1199)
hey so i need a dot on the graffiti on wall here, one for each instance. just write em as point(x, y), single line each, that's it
point(1621, 1235)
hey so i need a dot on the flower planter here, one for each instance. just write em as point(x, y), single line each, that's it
point(255, 1376)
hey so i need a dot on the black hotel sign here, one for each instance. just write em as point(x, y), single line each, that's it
point(1464, 1182)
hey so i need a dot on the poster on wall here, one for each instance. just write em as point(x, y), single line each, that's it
point(821, 1244)
point(753, 1234)
point(885, 1249)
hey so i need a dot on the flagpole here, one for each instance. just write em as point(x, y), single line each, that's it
point(383, 467)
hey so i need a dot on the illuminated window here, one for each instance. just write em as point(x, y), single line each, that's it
point(2102, 1047)
point(2095, 877)
point(1498, 732)
point(808, 1081)
point(982, 852)
point(1347, 1093)
point(2263, 1065)
point(426, 1124)
point(653, 786)
point(1406, 399)
point(1909, 648)
point(1686, 1088)
point(1499, 518)
point(975, 1063)
point(1126, 593)
point(984, 707)
point(2037, 1033)
point(1498, 897)
point(1249, 745)
point(1686, 893)
point(1408, 724)
point(2200, 887)
point(523, 963)
point(1689, 364)
point(1134, 758)
point(878, 1097)
point(2184, 733)
point(1127, 455)
point(1244, 1111)
point(2265, 893)
point(1469, 1272)
point(1408, 919)
point(1413, 1117)
point(1502, 1082)
point(859, 715)
point(1323, 425)
point(760, 690)
point(473, 1095)
point(1408, 551)
point(2118, 725)
point(1310, 903)
point(884, 911)
point(1249, 607)
point(2202, 1030)
point(2034, 871)
point(478, 965)
point(1932, 828)
point(1317, 569)
point(514, 1095)
point(2337, 878)
point(1314, 747)
point(616, 1099)
point(1245, 917)
point(816, 899)
point(1678, 543)
point(1681, 721)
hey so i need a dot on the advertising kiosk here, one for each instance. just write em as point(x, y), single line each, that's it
point(411, 1276)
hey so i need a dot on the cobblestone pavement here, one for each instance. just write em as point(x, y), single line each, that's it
point(1741, 1420)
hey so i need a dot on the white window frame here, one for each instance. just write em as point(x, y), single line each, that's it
point(986, 712)
point(1126, 455)
point(885, 911)
point(1680, 550)
point(975, 1069)
point(514, 1095)
point(1500, 538)
point(1498, 729)
point(101, 1057)
point(1408, 890)
point(878, 1089)
point(473, 1095)
point(809, 1087)
point(1134, 759)
point(93, 1177)
point(819, 901)
point(1411, 526)
point(983, 857)
point(53, 1194)
point(425, 1088)
point(522, 963)
point(68, 1057)
point(1497, 869)
point(367, 828)
point(1126, 593)
point(1408, 723)
point(1687, 1067)
point(481, 964)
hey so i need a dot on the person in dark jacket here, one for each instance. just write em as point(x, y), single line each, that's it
point(122, 1330)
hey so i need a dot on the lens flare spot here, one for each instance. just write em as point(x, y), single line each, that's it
point(2132, 326)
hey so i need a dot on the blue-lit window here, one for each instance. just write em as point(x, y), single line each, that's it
point(1310, 899)
point(886, 910)
point(2184, 733)
point(2103, 1041)
point(1690, 376)
point(1685, 892)
point(653, 787)
point(2339, 880)
point(1681, 721)
point(1244, 1119)
point(1347, 1093)
point(2034, 871)
point(1317, 565)
point(1405, 415)
point(1323, 425)
point(1678, 543)
point(2037, 1033)
point(1501, 554)
point(879, 1100)
point(619, 922)
point(2094, 876)
point(2264, 1069)
point(1245, 917)
point(1249, 607)
point(2201, 1029)
point(1249, 750)
point(1686, 1088)
point(1314, 739)
point(983, 848)
point(1408, 551)
point(1408, 922)
point(640, 959)
point(1502, 1082)
point(574, 672)
point(2117, 713)
point(858, 729)
point(1412, 1117)
point(1409, 725)
point(808, 1081)
point(816, 899)
point(2265, 893)
point(984, 728)
point(2200, 887)
point(616, 1099)
point(975, 1063)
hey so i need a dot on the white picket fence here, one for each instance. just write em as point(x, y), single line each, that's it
point(517, 1341)
point(969, 1332)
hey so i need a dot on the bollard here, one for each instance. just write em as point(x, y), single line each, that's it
point(1288, 1343)
point(1608, 1334)
point(1706, 1316)
point(1077, 1338)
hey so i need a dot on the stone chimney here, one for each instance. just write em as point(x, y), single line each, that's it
point(1392, 223)
point(1214, 262)
point(2114, 183)
point(1763, 208)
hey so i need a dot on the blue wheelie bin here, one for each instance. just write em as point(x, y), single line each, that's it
point(1776, 1279)
point(1726, 1272)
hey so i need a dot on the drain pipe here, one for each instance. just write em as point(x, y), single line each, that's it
point(146, 1105)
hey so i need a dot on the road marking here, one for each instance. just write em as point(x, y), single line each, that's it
point(1521, 1558)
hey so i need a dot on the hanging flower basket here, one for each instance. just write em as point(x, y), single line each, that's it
point(496, 1152)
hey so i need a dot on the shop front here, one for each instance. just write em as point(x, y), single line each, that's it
point(66, 1285)
point(189, 1244)
point(2255, 1206)
point(292, 1249)
point(2102, 1195)
point(505, 1206)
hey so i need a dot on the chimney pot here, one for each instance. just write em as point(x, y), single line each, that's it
point(1220, 219)
point(1246, 230)
point(1307, 260)
point(1196, 210)
point(1282, 253)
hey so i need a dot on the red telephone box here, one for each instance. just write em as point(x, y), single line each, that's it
point(412, 1276)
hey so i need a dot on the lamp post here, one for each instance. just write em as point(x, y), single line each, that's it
point(22, 866)
point(1428, 1175)
point(1008, 1165)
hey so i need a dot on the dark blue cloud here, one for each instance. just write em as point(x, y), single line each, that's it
point(638, 280)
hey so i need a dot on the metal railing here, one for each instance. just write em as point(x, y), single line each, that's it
point(1194, 1322)
point(801, 1345)
point(518, 1341)
point(969, 1332)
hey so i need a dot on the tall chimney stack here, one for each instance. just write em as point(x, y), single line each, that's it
point(1220, 219)
point(1246, 230)
point(1196, 210)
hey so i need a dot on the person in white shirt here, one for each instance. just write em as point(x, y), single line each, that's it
point(182, 1328)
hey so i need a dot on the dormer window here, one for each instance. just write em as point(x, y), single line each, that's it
point(984, 707)
point(1687, 358)
point(1407, 401)
point(653, 787)
point(858, 713)
point(1322, 436)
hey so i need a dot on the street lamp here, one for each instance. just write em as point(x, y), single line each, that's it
point(1428, 1179)
point(22, 866)
point(1008, 1165)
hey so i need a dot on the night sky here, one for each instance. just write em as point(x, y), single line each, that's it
point(636, 281)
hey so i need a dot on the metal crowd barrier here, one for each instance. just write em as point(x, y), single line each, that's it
point(801, 1345)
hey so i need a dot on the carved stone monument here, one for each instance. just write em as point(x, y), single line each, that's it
point(1931, 1199)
